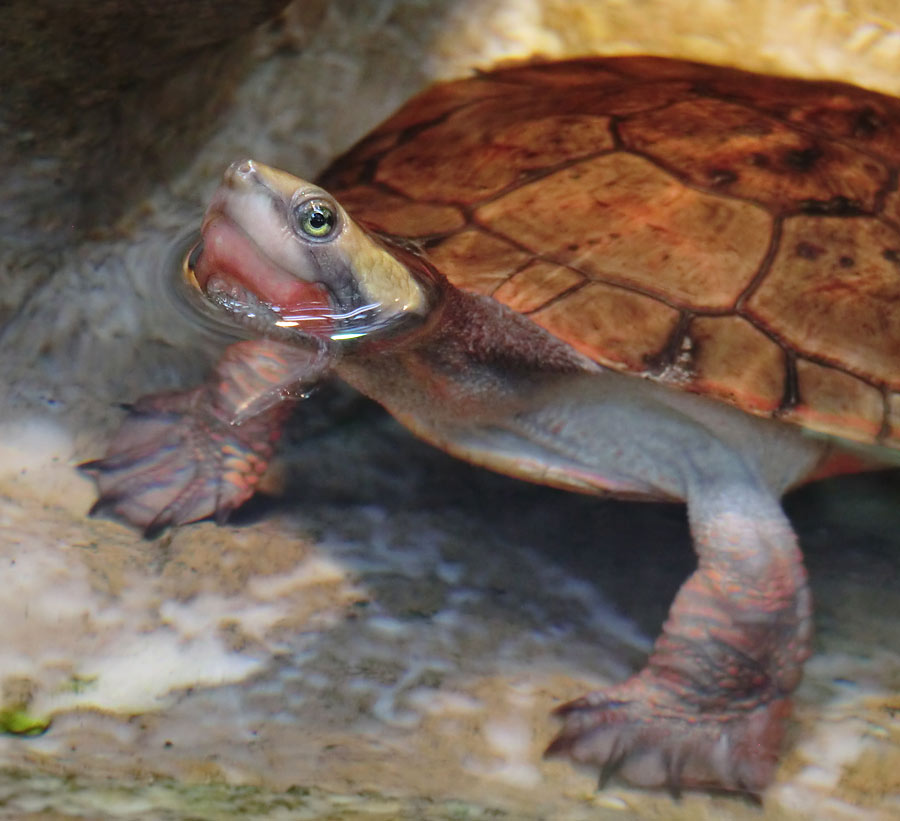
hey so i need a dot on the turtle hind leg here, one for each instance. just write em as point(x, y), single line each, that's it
point(709, 709)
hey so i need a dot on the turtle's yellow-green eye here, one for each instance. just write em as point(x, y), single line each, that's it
point(315, 218)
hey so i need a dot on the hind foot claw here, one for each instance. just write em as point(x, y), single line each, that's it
point(644, 733)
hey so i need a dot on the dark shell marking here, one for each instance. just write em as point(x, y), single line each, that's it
point(727, 233)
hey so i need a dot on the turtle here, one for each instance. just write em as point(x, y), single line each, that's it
point(637, 277)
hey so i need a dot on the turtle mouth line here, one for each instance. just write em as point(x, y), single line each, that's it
point(241, 305)
point(232, 272)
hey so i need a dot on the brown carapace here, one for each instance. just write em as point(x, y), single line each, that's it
point(725, 233)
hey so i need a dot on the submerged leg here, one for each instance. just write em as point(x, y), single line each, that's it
point(709, 708)
point(183, 456)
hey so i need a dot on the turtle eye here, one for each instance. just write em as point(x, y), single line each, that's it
point(315, 218)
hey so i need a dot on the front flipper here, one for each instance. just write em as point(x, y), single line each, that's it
point(709, 709)
point(180, 457)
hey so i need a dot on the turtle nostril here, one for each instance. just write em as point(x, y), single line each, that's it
point(242, 171)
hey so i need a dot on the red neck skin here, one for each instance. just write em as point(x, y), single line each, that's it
point(466, 339)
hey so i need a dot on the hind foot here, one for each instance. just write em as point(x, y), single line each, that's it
point(651, 738)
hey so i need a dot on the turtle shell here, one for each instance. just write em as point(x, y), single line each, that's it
point(726, 233)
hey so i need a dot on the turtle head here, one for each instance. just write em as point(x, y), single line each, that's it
point(281, 256)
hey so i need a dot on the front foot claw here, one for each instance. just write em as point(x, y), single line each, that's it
point(173, 461)
point(651, 739)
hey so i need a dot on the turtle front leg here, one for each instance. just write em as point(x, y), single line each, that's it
point(183, 456)
point(709, 709)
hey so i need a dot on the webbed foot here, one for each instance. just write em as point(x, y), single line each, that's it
point(651, 738)
point(174, 460)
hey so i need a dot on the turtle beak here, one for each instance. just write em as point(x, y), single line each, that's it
point(247, 255)
point(254, 252)
point(247, 176)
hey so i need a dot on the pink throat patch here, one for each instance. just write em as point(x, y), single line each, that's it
point(228, 254)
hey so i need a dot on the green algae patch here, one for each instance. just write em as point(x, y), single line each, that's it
point(22, 723)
